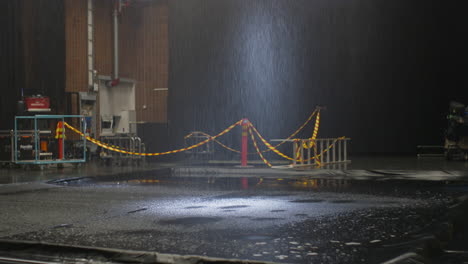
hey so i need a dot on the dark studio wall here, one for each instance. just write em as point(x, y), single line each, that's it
point(10, 46)
point(33, 54)
point(385, 70)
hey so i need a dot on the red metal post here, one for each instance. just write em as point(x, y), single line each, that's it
point(245, 183)
point(244, 150)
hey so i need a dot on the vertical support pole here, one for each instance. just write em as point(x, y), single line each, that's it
point(302, 151)
point(245, 183)
point(339, 151)
point(334, 152)
point(16, 140)
point(308, 152)
point(90, 45)
point(245, 128)
point(63, 137)
point(321, 151)
point(83, 127)
point(315, 146)
point(60, 128)
point(119, 143)
point(328, 152)
point(36, 143)
point(294, 152)
point(139, 146)
point(116, 40)
point(12, 144)
point(345, 151)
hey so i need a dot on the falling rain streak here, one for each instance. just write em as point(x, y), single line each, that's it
point(378, 67)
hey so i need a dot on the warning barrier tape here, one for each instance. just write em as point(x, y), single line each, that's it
point(315, 133)
point(215, 140)
point(265, 150)
point(331, 146)
point(317, 161)
point(256, 147)
point(269, 145)
point(325, 150)
point(316, 156)
point(311, 143)
point(298, 130)
point(298, 148)
point(99, 143)
point(114, 146)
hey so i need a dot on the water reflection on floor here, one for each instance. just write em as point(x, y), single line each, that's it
point(289, 219)
point(366, 164)
point(276, 186)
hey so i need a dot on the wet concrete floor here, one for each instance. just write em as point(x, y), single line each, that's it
point(301, 220)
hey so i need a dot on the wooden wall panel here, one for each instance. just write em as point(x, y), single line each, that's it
point(143, 50)
point(103, 35)
point(75, 46)
point(144, 55)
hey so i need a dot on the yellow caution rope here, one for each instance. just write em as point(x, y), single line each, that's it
point(266, 150)
point(103, 145)
point(256, 147)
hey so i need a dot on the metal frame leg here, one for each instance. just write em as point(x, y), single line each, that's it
point(36, 135)
point(302, 151)
point(334, 152)
point(294, 153)
point(339, 151)
point(345, 151)
point(321, 151)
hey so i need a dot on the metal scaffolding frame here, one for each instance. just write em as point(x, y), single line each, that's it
point(36, 135)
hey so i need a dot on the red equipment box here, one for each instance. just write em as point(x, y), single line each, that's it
point(37, 103)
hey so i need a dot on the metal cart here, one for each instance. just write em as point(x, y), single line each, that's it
point(35, 153)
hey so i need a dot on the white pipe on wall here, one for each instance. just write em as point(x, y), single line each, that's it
point(91, 73)
point(116, 41)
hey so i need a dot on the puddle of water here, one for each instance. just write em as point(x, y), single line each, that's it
point(267, 219)
point(234, 207)
point(258, 186)
point(256, 237)
point(388, 202)
point(301, 215)
point(307, 201)
point(137, 210)
point(194, 207)
point(342, 201)
point(190, 221)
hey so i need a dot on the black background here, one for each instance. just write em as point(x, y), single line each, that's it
point(38, 67)
point(385, 70)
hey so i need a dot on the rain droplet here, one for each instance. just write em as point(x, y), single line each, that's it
point(353, 244)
